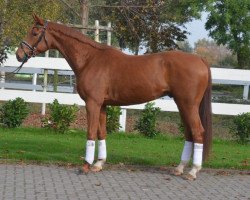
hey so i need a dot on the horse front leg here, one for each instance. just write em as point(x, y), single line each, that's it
point(101, 134)
point(93, 114)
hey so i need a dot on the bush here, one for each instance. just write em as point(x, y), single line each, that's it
point(61, 116)
point(241, 128)
point(113, 114)
point(13, 112)
point(146, 123)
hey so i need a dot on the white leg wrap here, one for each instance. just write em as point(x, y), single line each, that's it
point(187, 151)
point(197, 157)
point(90, 151)
point(194, 170)
point(185, 157)
point(102, 152)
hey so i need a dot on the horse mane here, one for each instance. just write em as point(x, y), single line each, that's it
point(72, 33)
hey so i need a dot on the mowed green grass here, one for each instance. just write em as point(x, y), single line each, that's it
point(42, 146)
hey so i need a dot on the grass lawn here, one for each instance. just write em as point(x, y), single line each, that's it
point(42, 146)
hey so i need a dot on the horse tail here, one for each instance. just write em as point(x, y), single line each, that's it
point(206, 115)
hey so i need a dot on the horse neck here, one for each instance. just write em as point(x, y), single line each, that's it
point(76, 53)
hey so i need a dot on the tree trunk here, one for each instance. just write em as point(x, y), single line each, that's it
point(84, 15)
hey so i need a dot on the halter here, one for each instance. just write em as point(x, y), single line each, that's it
point(32, 52)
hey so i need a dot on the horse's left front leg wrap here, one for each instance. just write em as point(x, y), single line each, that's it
point(90, 151)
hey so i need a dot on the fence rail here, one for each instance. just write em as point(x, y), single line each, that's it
point(44, 66)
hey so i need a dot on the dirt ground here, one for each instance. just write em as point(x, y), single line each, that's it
point(167, 122)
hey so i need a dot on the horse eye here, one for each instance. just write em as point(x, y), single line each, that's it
point(35, 31)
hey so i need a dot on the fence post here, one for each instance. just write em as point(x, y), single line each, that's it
point(109, 34)
point(97, 39)
point(45, 82)
point(2, 77)
point(34, 80)
point(55, 77)
point(122, 120)
point(245, 92)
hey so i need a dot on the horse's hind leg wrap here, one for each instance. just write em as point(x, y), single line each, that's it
point(185, 157)
point(197, 160)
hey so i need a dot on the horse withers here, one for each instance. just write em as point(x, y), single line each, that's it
point(106, 76)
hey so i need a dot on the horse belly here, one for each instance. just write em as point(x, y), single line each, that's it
point(137, 94)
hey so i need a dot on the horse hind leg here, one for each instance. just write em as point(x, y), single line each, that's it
point(186, 152)
point(194, 122)
point(101, 134)
point(194, 141)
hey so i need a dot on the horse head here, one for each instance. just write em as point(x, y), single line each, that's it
point(36, 41)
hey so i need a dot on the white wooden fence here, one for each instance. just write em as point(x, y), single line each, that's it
point(42, 65)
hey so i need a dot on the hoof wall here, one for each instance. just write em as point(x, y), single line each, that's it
point(176, 173)
point(96, 169)
point(86, 168)
point(189, 177)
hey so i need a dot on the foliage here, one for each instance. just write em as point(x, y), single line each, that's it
point(61, 116)
point(241, 128)
point(153, 23)
point(18, 17)
point(184, 46)
point(113, 114)
point(213, 53)
point(3, 55)
point(13, 112)
point(146, 123)
point(229, 24)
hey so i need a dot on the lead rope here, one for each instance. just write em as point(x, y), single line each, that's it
point(17, 69)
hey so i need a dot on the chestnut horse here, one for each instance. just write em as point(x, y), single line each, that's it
point(106, 76)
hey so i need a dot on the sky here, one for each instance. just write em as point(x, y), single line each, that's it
point(197, 29)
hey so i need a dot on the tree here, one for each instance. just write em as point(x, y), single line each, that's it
point(214, 54)
point(17, 17)
point(229, 24)
point(154, 24)
point(184, 46)
point(3, 54)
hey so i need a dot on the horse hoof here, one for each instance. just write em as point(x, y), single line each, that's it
point(86, 168)
point(189, 177)
point(96, 169)
point(176, 173)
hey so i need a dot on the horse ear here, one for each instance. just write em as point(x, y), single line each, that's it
point(38, 20)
